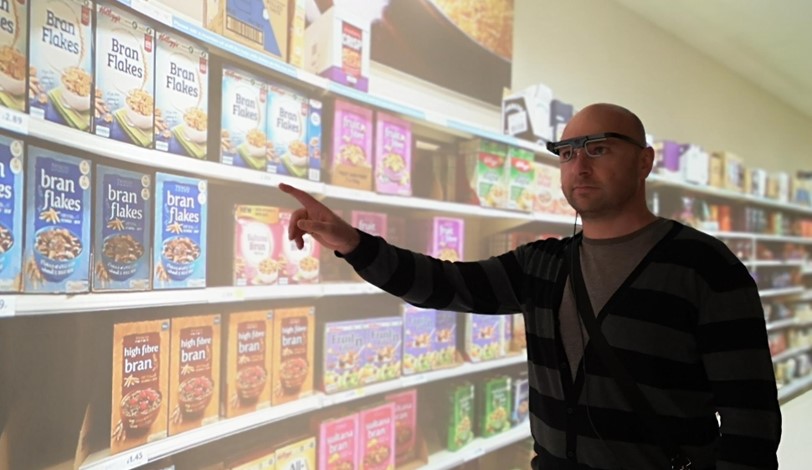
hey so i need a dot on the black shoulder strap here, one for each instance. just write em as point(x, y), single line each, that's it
point(606, 354)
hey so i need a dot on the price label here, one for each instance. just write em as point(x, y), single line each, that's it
point(128, 461)
point(228, 295)
point(8, 305)
point(476, 453)
point(414, 380)
point(14, 121)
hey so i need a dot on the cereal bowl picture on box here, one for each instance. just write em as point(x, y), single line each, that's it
point(13, 54)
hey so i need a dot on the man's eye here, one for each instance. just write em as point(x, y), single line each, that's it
point(565, 154)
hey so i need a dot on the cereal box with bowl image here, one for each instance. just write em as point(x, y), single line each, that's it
point(520, 179)
point(243, 138)
point(12, 166)
point(125, 80)
point(13, 53)
point(179, 249)
point(376, 443)
point(460, 420)
point(405, 424)
point(140, 384)
point(257, 245)
point(484, 337)
point(300, 266)
point(60, 79)
point(290, 131)
point(181, 96)
point(299, 454)
point(352, 146)
point(418, 348)
point(293, 354)
point(494, 406)
point(482, 172)
point(344, 345)
point(338, 443)
point(445, 340)
point(194, 374)
point(58, 212)
point(249, 337)
point(393, 155)
point(123, 218)
point(383, 352)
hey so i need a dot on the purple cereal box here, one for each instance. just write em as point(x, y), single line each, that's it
point(393, 155)
point(483, 337)
point(338, 443)
point(418, 331)
point(445, 339)
point(383, 349)
point(343, 343)
point(352, 146)
point(447, 240)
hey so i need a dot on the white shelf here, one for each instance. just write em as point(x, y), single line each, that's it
point(773, 263)
point(480, 446)
point(794, 388)
point(791, 353)
point(781, 324)
point(782, 291)
point(806, 269)
point(759, 236)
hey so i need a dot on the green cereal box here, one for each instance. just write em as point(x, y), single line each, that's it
point(521, 176)
point(482, 173)
point(494, 406)
point(460, 416)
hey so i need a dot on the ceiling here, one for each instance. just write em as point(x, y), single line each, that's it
point(767, 42)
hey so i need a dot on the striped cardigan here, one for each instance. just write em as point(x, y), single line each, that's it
point(688, 324)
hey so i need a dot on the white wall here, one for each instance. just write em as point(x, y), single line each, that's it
point(597, 51)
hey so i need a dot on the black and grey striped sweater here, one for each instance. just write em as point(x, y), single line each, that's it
point(688, 324)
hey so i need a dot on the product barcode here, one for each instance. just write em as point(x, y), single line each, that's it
point(517, 123)
point(314, 175)
point(244, 30)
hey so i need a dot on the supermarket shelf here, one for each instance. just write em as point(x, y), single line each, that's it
point(760, 236)
point(228, 427)
point(480, 446)
point(782, 291)
point(799, 386)
point(773, 263)
point(791, 353)
point(781, 324)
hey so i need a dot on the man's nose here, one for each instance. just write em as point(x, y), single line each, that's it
point(580, 160)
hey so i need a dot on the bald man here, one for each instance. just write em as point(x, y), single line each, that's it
point(679, 327)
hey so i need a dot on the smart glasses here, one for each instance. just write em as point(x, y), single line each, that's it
point(594, 145)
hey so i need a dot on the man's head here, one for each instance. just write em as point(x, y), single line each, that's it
point(610, 181)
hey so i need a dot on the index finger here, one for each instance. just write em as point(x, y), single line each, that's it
point(308, 201)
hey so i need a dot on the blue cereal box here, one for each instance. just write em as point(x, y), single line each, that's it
point(60, 81)
point(181, 96)
point(14, 59)
point(58, 209)
point(179, 249)
point(383, 350)
point(418, 348)
point(259, 24)
point(12, 161)
point(243, 138)
point(292, 131)
point(343, 344)
point(123, 217)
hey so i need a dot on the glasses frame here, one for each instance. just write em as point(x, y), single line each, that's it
point(580, 142)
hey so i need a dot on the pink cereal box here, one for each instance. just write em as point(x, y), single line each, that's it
point(447, 239)
point(373, 223)
point(393, 155)
point(376, 443)
point(258, 239)
point(300, 266)
point(352, 146)
point(405, 424)
point(338, 443)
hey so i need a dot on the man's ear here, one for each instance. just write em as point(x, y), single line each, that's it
point(646, 161)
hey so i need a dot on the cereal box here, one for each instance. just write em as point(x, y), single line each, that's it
point(258, 240)
point(60, 80)
point(393, 155)
point(243, 139)
point(58, 210)
point(337, 46)
point(300, 266)
point(293, 354)
point(376, 443)
point(493, 406)
point(445, 339)
point(179, 253)
point(259, 460)
point(483, 337)
point(140, 383)
point(520, 179)
point(352, 146)
point(194, 377)
point(259, 24)
point(122, 245)
point(300, 455)
point(521, 400)
point(548, 196)
point(482, 173)
point(518, 338)
point(405, 424)
point(297, 32)
point(338, 443)
point(125, 83)
point(460, 431)
point(373, 223)
point(249, 338)
point(383, 350)
point(344, 343)
point(12, 164)
point(447, 240)
point(13, 53)
point(418, 348)
point(181, 96)
point(289, 123)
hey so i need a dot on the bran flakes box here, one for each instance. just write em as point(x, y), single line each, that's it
point(13, 53)
point(179, 250)
point(393, 155)
point(376, 443)
point(418, 348)
point(445, 339)
point(343, 367)
point(447, 241)
point(293, 354)
point(243, 138)
point(249, 337)
point(483, 337)
point(181, 96)
point(12, 166)
point(520, 179)
point(383, 352)
point(140, 384)
point(352, 157)
point(298, 455)
point(288, 131)
point(521, 400)
point(338, 443)
point(300, 266)
point(60, 81)
point(194, 376)
point(125, 82)
point(258, 239)
point(405, 424)
point(122, 245)
point(58, 213)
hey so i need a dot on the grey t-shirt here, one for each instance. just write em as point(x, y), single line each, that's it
point(606, 263)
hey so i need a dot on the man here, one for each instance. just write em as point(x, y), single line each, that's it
point(675, 306)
